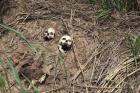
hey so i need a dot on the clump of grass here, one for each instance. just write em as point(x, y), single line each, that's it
point(16, 77)
point(134, 45)
point(5, 83)
point(2, 85)
point(20, 35)
point(92, 1)
point(103, 14)
point(6, 74)
point(107, 6)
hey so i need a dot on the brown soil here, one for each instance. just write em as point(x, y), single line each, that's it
point(98, 51)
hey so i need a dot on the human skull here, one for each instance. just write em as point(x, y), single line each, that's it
point(65, 43)
point(49, 34)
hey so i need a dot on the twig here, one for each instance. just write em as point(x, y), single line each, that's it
point(125, 79)
point(55, 68)
point(95, 87)
point(77, 61)
point(50, 91)
point(11, 42)
point(99, 78)
point(93, 69)
point(70, 23)
point(88, 61)
point(66, 26)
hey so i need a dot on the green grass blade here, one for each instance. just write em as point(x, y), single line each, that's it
point(16, 76)
point(106, 4)
point(2, 85)
point(5, 72)
point(92, 1)
point(137, 44)
point(35, 89)
point(2, 82)
point(18, 79)
point(134, 45)
point(21, 36)
point(10, 62)
point(103, 14)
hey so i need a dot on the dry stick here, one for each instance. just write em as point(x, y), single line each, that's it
point(125, 78)
point(120, 66)
point(77, 61)
point(65, 25)
point(68, 26)
point(102, 70)
point(73, 89)
point(55, 71)
point(73, 48)
point(12, 86)
point(25, 18)
point(38, 33)
point(18, 28)
point(65, 70)
point(62, 64)
point(57, 61)
point(53, 90)
point(99, 78)
point(93, 69)
point(114, 48)
point(138, 90)
point(68, 32)
point(88, 61)
point(95, 87)
point(55, 68)
point(70, 23)
point(11, 42)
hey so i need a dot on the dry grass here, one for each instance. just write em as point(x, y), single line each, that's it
point(100, 61)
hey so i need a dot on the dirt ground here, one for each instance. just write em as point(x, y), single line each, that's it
point(97, 62)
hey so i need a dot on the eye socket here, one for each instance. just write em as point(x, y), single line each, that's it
point(51, 33)
point(46, 33)
point(63, 38)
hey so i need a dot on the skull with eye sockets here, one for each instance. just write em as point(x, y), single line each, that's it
point(65, 43)
point(49, 34)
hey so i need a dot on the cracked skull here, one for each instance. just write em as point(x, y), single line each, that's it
point(49, 34)
point(65, 43)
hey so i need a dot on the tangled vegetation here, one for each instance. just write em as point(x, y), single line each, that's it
point(108, 63)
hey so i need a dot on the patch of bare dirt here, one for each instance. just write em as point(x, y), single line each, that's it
point(96, 62)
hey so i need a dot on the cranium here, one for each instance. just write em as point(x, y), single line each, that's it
point(49, 34)
point(65, 43)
